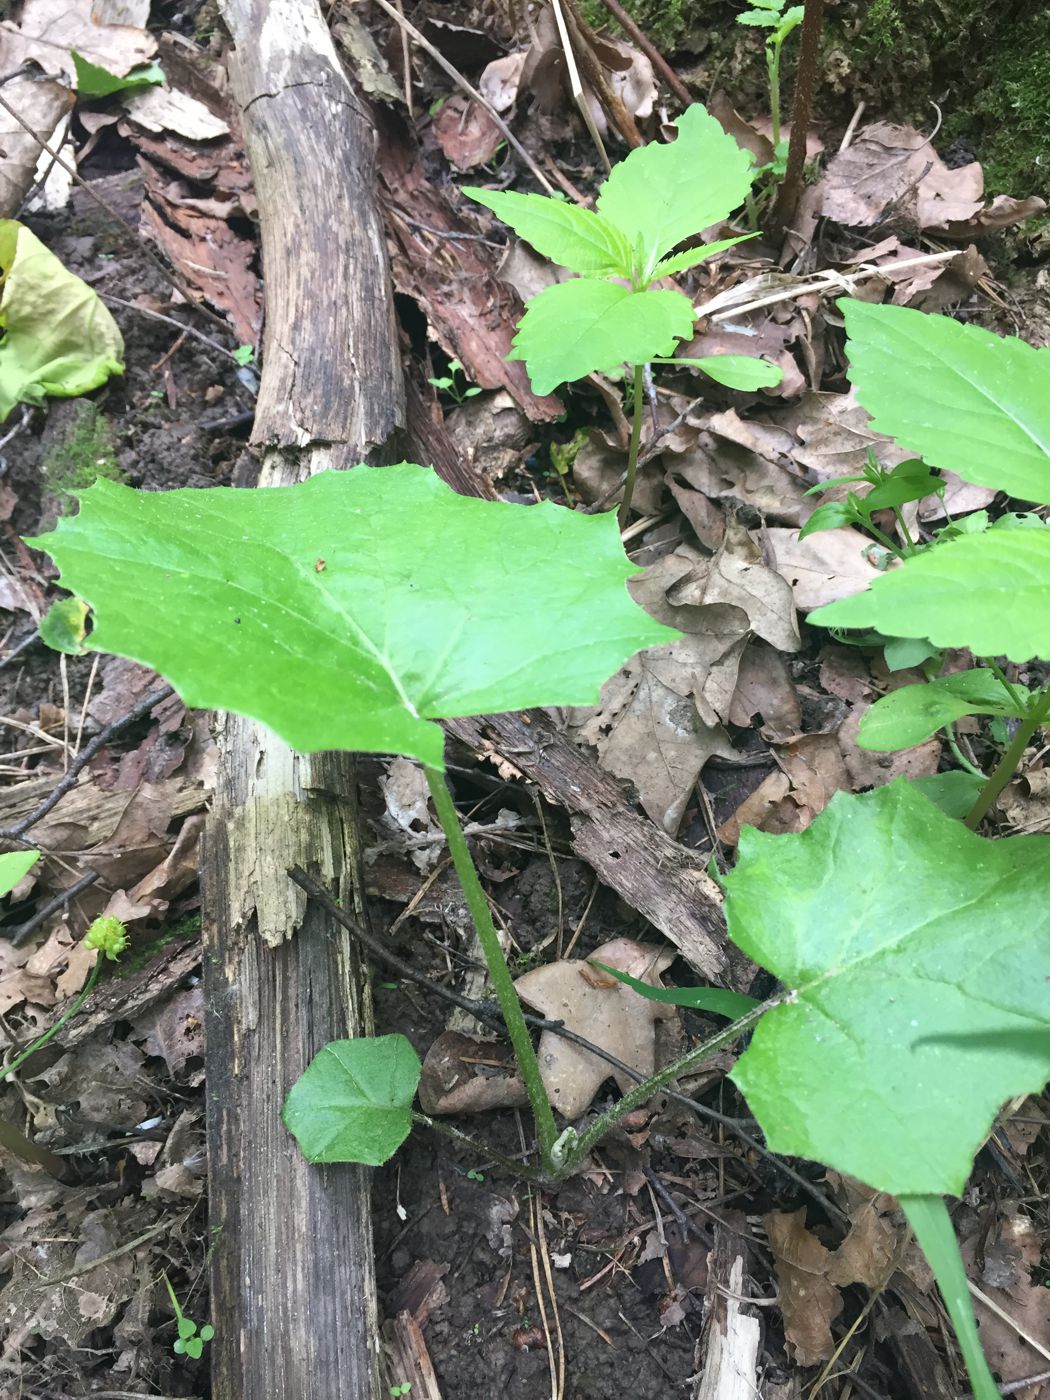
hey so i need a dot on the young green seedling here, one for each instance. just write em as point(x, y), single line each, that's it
point(978, 405)
point(611, 314)
point(191, 1339)
point(781, 23)
point(449, 383)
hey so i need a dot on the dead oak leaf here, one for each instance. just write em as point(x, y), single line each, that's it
point(602, 1011)
point(809, 1302)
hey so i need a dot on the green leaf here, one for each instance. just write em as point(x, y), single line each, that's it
point(682, 262)
point(737, 371)
point(968, 401)
point(187, 1327)
point(830, 516)
point(353, 1102)
point(207, 1332)
point(900, 487)
point(577, 327)
point(954, 793)
point(759, 20)
point(907, 716)
point(987, 592)
point(732, 1005)
point(662, 194)
point(890, 922)
point(13, 867)
point(902, 653)
point(567, 234)
point(62, 626)
point(59, 339)
point(356, 608)
point(94, 82)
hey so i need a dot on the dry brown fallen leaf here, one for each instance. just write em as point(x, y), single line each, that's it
point(809, 1302)
point(823, 567)
point(736, 576)
point(764, 687)
point(602, 1010)
point(466, 133)
point(745, 461)
point(1010, 1255)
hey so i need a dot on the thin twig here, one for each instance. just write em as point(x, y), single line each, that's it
point(458, 78)
point(170, 321)
point(86, 754)
point(579, 96)
point(60, 900)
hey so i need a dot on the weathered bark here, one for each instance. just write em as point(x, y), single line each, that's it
point(293, 1291)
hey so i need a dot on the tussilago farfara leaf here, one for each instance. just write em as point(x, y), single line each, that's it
point(354, 610)
point(970, 402)
point(894, 927)
point(988, 592)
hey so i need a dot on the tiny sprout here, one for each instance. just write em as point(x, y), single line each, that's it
point(108, 935)
point(402, 1389)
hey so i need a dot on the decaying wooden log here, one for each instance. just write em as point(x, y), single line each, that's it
point(293, 1291)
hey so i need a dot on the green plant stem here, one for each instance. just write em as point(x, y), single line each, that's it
point(576, 1146)
point(502, 982)
point(773, 69)
point(1007, 685)
point(632, 451)
point(910, 547)
point(960, 757)
point(67, 1015)
point(484, 1151)
point(883, 539)
point(1038, 710)
point(929, 1219)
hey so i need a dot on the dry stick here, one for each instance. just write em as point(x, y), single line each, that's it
point(790, 191)
point(182, 289)
point(576, 84)
point(64, 897)
point(170, 321)
point(458, 78)
point(585, 37)
point(86, 754)
point(488, 1012)
point(653, 54)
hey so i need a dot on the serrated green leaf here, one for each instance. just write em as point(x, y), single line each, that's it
point(737, 371)
point(577, 327)
point(662, 194)
point(719, 1002)
point(58, 338)
point(62, 628)
point(907, 716)
point(356, 608)
point(353, 1102)
point(890, 923)
point(94, 81)
point(954, 793)
point(567, 234)
point(968, 401)
point(13, 867)
point(988, 592)
point(682, 262)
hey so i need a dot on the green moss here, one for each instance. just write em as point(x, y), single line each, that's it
point(86, 454)
point(666, 22)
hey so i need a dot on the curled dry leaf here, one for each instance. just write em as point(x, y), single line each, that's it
point(808, 1300)
point(764, 687)
point(603, 1011)
point(466, 133)
point(748, 461)
point(737, 576)
point(464, 1075)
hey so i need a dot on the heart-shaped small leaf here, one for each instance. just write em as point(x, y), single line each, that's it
point(893, 927)
point(353, 610)
point(353, 1102)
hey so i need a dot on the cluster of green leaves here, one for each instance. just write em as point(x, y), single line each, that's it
point(191, 1339)
point(450, 385)
point(976, 404)
point(610, 314)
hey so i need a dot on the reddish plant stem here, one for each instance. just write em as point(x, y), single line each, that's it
point(790, 192)
point(653, 54)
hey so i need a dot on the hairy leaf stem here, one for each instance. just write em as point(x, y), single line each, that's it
point(632, 451)
point(502, 982)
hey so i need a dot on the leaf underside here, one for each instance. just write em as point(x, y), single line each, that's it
point(894, 927)
point(356, 608)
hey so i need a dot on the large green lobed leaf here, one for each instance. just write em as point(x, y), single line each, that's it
point(905, 939)
point(988, 592)
point(58, 338)
point(354, 609)
point(662, 194)
point(970, 402)
point(577, 327)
